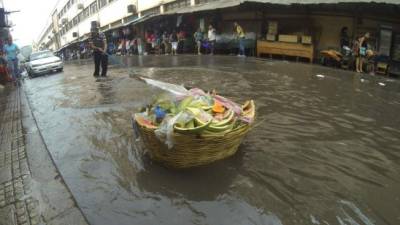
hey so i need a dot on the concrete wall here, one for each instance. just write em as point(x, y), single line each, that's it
point(326, 30)
point(148, 4)
point(114, 11)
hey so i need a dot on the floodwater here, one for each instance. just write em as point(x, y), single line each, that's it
point(326, 149)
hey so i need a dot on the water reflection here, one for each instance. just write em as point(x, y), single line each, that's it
point(105, 89)
point(199, 184)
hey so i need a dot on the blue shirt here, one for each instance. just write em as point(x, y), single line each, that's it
point(11, 51)
point(198, 36)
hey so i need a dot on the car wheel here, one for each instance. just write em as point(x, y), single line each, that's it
point(30, 74)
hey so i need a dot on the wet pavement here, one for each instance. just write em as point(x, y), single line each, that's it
point(325, 151)
point(32, 191)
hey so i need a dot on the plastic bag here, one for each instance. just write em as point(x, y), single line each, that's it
point(178, 90)
point(166, 129)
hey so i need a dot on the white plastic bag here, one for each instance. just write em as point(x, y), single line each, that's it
point(177, 90)
point(165, 132)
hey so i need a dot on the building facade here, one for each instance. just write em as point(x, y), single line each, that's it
point(320, 23)
point(71, 19)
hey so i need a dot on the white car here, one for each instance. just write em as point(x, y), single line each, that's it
point(43, 62)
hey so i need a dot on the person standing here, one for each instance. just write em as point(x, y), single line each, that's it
point(212, 38)
point(4, 75)
point(360, 50)
point(174, 42)
point(344, 38)
point(12, 51)
point(165, 40)
point(240, 35)
point(181, 41)
point(198, 37)
point(98, 43)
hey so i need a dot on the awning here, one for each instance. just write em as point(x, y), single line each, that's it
point(205, 7)
point(135, 21)
point(142, 19)
point(73, 42)
point(220, 4)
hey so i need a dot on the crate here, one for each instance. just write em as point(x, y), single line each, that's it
point(288, 38)
point(381, 68)
point(271, 37)
point(306, 40)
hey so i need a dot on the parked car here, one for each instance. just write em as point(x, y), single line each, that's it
point(43, 62)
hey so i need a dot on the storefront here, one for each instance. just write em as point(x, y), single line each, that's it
point(297, 31)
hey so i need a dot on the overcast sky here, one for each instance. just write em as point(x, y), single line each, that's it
point(31, 19)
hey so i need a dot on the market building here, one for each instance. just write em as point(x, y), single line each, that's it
point(285, 27)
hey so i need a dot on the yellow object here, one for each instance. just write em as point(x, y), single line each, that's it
point(381, 68)
point(218, 107)
point(240, 32)
point(249, 109)
point(288, 38)
point(306, 40)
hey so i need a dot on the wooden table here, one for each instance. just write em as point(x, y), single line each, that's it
point(288, 49)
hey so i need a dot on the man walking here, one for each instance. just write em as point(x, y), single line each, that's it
point(12, 51)
point(98, 43)
point(240, 36)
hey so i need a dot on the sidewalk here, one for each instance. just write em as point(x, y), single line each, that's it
point(31, 188)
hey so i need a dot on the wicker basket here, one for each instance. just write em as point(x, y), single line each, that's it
point(191, 150)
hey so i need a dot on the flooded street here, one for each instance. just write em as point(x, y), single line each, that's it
point(326, 149)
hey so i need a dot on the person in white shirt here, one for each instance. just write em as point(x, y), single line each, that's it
point(212, 38)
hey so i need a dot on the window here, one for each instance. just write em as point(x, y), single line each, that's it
point(176, 5)
point(204, 1)
point(93, 8)
point(155, 10)
point(80, 16)
point(41, 55)
point(75, 21)
point(102, 3)
point(86, 13)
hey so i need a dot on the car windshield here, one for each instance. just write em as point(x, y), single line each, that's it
point(41, 55)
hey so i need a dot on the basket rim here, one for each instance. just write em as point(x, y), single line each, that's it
point(239, 128)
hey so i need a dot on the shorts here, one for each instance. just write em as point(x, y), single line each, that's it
point(174, 45)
